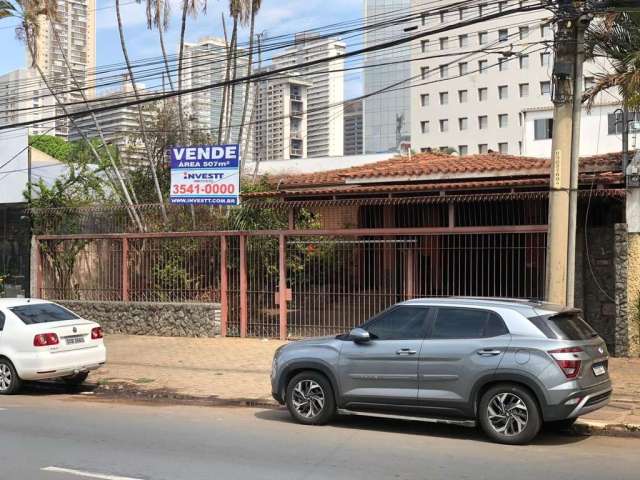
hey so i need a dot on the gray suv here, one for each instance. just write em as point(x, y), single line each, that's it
point(509, 365)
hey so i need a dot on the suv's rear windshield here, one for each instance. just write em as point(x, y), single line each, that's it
point(564, 326)
point(42, 313)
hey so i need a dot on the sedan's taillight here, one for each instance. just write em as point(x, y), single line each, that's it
point(567, 360)
point(45, 339)
point(96, 333)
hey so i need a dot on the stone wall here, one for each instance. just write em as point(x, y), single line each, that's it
point(146, 318)
point(595, 282)
point(633, 293)
point(621, 245)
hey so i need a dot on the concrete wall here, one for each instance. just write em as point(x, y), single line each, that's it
point(147, 318)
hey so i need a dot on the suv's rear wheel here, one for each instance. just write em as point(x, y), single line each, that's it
point(509, 414)
point(9, 381)
point(309, 398)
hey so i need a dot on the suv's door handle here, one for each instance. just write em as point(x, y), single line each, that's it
point(487, 352)
point(405, 351)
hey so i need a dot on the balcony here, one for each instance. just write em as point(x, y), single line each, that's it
point(296, 135)
point(297, 113)
point(295, 152)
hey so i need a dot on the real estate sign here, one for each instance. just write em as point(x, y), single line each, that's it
point(205, 174)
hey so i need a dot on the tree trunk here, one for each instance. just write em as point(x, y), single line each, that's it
point(131, 210)
point(226, 81)
point(232, 90)
point(164, 56)
point(247, 91)
point(255, 104)
point(183, 28)
point(143, 130)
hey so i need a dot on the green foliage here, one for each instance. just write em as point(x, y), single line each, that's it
point(53, 146)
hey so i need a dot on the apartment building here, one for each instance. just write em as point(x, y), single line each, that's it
point(387, 115)
point(205, 62)
point(353, 131)
point(72, 35)
point(24, 98)
point(325, 124)
point(120, 126)
point(280, 128)
point(472, 102)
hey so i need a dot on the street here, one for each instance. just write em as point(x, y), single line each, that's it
point(52, 436)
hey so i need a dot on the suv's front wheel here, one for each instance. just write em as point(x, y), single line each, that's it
point(309, 398)
point(509, 414)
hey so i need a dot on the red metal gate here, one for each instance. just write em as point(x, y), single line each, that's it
point(294, 283)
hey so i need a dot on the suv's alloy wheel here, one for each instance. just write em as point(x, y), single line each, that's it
point(310, 399)
point(508, 413)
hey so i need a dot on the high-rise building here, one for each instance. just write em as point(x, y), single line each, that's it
point(471, 84)
point(24, 98)
point(72, 36)
point(353, 127)
point(280, 128)
point(325, 127)
point(387, 115)
point(120, 126)
point(205, 62)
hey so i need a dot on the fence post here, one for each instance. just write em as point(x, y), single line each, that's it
point(243, 286)
point(410, 284)
point(38, 269)
point(125, 269)
point(224, 287)
point(282, 268)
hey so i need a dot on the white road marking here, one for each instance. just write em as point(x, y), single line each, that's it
point(2, 409)
point(80, 473)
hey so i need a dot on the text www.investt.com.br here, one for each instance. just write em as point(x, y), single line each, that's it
point(196, 199)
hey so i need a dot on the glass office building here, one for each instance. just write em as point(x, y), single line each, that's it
point(386, 115)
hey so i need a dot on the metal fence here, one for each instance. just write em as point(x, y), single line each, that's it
point(295, 283)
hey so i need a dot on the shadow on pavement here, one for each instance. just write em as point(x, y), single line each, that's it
point(42, 389)
point(408, 427)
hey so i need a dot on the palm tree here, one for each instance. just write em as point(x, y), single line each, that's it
point(158, 14)
point(255, 6)
point(189, 7)
point(143, 130)
point(616, 38)
point(29, 13)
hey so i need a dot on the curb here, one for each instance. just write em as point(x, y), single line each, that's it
point(129, 392)
point(600, 428)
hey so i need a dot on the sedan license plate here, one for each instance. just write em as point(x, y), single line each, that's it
point(74, 340)
point(599, 369)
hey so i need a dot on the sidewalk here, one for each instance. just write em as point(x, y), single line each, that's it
point(233, 370)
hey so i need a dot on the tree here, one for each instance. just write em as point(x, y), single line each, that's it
point(143, 130)
point(29, 13)
point(616, 38)
point(53, 146)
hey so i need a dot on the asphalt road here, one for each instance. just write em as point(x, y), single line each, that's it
point(58, 437)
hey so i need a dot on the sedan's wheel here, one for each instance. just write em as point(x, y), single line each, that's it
point(509, 414)
point(310, 399)
point(9, 380)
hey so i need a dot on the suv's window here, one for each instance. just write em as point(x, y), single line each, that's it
point(564, 326)
point(454, 323)
point(399, 323)
point(42, 313)
point(1, 321)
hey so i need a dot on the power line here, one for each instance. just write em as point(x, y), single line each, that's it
point(294, 67)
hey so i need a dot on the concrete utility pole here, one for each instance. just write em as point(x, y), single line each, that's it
point(563, 200)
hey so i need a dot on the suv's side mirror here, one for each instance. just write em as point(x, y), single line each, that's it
point(359, 335)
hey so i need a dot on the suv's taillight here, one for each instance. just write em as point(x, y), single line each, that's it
point(567, 360)
point(96, 333)
point(45, 339)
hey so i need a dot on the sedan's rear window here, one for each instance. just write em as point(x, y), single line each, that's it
point(42, 313)
point(564, 326)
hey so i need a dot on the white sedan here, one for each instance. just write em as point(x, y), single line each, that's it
point(42, 340)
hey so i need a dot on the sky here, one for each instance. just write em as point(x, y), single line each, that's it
point(276, 17)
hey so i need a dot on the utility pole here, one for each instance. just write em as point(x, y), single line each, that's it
point(563, 200)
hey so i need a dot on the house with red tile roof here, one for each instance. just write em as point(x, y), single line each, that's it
point(495, 208)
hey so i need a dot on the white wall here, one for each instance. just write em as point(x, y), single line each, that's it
point(13, 165)
point(594, 137)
